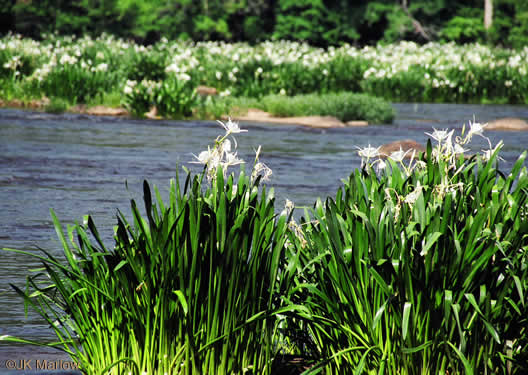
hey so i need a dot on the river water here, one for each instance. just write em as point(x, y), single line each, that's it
point(79, 164)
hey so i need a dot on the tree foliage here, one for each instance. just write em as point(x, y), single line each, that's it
point(318, 22)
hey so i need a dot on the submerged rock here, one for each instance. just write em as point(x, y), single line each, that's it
point(357, 123)
point(98, 110)
point(508, 123)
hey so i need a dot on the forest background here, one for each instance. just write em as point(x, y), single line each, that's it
point(321, 23)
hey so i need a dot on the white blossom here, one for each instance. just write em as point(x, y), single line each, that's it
point(369, 152)
point(399, 156)
point(231, 127)
point(476, 128)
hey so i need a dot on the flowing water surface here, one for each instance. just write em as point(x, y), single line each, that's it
point(79, 165)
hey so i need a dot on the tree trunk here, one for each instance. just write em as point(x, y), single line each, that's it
point(418, 28)
point(488, 13)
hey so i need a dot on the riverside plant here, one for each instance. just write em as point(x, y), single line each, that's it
point(175, 97)
point(193, 287)
point(433, 72)
point(420, 268)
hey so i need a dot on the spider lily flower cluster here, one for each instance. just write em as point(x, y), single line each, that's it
point(224, 155)
point(447, 150)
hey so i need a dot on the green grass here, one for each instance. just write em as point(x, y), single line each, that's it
point(112, 99)
point(344, 106)
point(57, 105)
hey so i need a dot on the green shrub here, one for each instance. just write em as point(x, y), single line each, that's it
point(148, 65)
point(344, 106)
point(74, 83)
point(140, 96)
point(56, 105)
point(176, 98)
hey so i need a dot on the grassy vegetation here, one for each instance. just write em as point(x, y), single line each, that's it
point(414, 267)
point(344, 106)
point(85, 70)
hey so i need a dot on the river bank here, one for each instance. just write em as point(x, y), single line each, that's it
point(241, 114)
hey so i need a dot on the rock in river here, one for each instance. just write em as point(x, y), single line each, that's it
point(405, 144)
point(508, 123)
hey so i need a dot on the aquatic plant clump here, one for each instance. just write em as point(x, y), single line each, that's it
point(421, 266)
point(190, 288)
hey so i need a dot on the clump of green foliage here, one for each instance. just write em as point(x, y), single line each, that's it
point(173, 97)
point(344, 106)
point(56, 105)
point(190, 287)
point(421, 268)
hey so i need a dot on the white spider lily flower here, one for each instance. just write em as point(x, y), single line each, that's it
point(398, 156)
point(288, 208)
point(103, 67)
point(261, 169)
point(420, 164)
point(458, 149)
point(439, 135)
point(448, 144)
point(128, 90)
point(381, 165)
point(369, 152)
point(486, 154)
point(231, 159)
point(211, 158)
point(476, 128)
point(225, 146)
point(204, 157)
point(231, 127)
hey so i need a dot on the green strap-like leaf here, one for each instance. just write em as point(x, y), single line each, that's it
point(405, 321)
